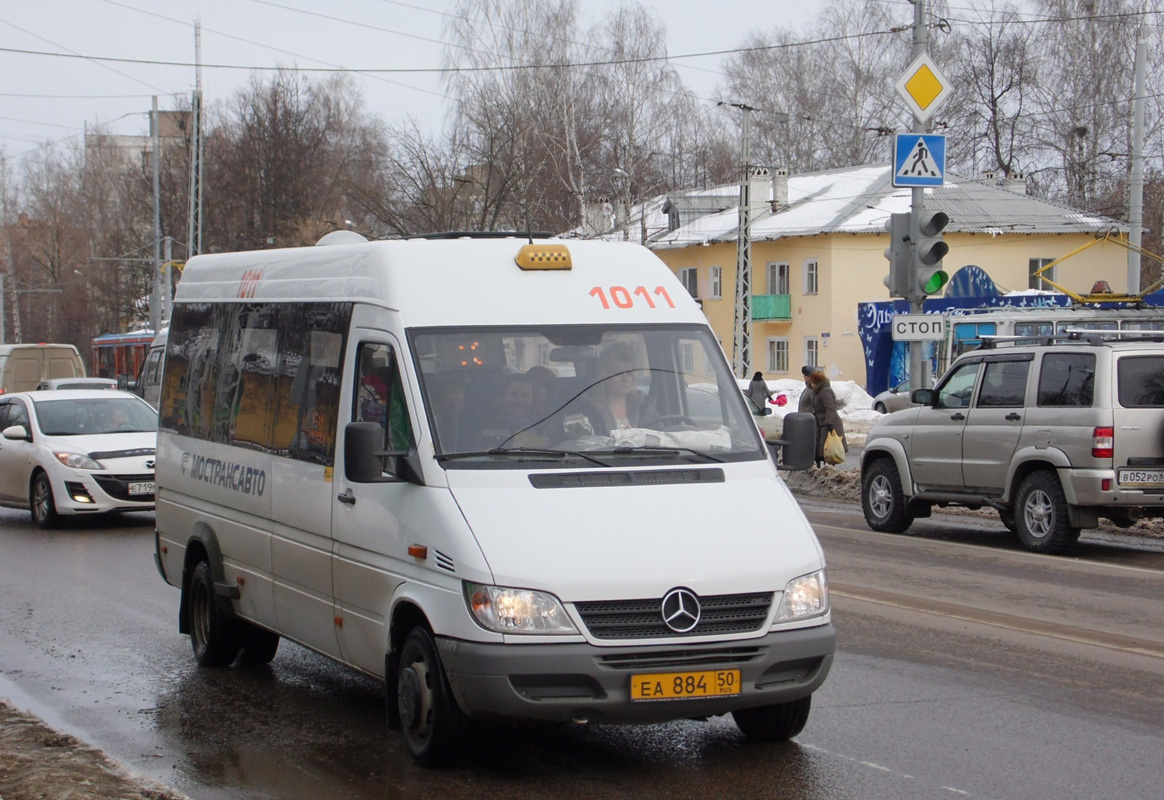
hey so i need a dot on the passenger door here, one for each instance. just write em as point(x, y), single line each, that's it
point(369, 531)
point(994, 424)
point(936, 453)
point(16, 456)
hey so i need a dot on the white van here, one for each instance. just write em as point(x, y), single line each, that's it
point(466, 466)
point(23, 366)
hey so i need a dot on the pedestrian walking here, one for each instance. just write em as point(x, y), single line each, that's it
point(824, 408)
point(758, 391)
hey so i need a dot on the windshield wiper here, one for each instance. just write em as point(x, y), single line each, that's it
point(558, 455)
point(651, 450)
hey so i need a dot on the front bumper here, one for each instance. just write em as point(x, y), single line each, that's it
point(84, 492)
point(578, 681)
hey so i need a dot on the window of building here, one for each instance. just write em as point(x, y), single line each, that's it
point(777, 355)
point(689, 277)
point(778, 282)
point(812, 351)
point(716, 283)
point(811, 277)
point(1036, 281)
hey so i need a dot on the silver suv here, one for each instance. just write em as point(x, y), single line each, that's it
point(1054, 433)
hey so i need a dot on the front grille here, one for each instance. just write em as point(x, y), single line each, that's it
point(643, 619)
point(702, 658)
point(117, 486)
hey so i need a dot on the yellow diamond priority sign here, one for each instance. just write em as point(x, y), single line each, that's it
point(923, 87)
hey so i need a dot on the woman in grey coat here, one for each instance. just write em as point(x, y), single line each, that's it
point(824, 408)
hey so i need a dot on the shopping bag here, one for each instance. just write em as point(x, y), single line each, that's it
point(834, 449)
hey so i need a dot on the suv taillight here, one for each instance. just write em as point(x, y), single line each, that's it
point(1103, 443)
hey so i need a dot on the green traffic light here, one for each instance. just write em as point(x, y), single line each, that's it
point(935, 282)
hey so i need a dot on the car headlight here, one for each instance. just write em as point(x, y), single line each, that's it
point(806, 596)
point(77, 461)
point(505, 610)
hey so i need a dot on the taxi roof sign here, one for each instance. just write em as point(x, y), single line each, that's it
point(923, 87)
point(544, 256)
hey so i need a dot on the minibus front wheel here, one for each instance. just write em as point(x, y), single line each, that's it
point(774, 723)
point(434, 725)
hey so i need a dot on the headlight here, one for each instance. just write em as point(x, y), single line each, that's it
point(77, 461)
point(806, 596)
point(497, 608)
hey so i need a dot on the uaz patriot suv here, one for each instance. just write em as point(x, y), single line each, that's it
point(1054, 433)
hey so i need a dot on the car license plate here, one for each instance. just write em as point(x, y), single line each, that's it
point(1141, 477)
point(141, 488)
point(685, 685)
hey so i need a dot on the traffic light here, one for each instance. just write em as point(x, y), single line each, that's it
point(931, 249)
point(898, 280)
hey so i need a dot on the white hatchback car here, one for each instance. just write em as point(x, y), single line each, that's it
point(76, 452)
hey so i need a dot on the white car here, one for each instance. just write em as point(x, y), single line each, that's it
point(705, 409)
point(75, 452)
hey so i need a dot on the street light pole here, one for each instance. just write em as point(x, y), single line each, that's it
point(919, 377)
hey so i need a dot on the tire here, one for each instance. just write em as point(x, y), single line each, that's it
point(434, 725)
point(258, 646)
point(880, 408)
point(42, 504)
point(215, 638)
point(1041, 515)
point(773, 723)
point(882, 498)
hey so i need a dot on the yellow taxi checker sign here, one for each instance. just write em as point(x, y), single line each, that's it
point(544, 256)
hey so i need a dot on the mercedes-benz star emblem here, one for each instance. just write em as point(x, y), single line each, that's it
point(681, 610)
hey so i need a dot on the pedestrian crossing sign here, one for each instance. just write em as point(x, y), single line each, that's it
point(919, 160)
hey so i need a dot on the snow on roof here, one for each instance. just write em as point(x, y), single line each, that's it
point(860, 199)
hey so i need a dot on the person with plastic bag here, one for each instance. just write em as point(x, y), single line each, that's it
point(828, 421)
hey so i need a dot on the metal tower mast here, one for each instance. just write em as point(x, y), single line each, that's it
point(194, 221)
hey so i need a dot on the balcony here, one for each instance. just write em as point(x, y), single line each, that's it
point(771, 307)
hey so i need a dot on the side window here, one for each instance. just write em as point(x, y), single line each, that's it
point(4, 415)
point(956, 390)
point(1067, 380)
point(152, 371)
point(1141, 381)
point(379, 395)
point(18, 415)
point(307, 380)
point(1004, 384)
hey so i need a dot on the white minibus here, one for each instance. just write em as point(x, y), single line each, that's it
point(466, 466)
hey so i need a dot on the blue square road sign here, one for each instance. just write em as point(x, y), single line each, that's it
point(919, 159)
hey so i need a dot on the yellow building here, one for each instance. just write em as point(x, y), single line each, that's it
point(818, 243)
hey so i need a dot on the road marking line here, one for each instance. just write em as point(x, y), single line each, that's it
point(1123, 644)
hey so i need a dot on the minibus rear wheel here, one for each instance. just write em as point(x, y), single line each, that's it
point(434, 725)
point(258, 646)
point(773, 723)
point(214, 637)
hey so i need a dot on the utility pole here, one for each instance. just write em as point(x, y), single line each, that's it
point(156, 297)
point(742, 332)
point(919, 374)
point(1136, 182)
point(194, 220)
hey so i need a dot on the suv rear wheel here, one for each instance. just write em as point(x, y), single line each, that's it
point(1041, 514)
point(882, 498)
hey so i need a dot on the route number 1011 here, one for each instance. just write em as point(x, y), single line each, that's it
point(622, 297)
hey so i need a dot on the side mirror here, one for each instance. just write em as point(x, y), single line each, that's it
point(366, 462)
point(17, 433)
point(123, 382)
point(765, 412)
point(924, 397)
point(798, 444)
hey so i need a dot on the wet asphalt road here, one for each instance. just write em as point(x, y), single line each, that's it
point(966, 668)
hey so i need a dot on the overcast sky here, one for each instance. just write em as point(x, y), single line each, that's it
point(52, 98)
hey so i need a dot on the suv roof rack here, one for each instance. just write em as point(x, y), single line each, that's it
point(1072, 336)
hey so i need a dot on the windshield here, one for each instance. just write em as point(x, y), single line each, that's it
point(106, 415)
point(552, 395)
